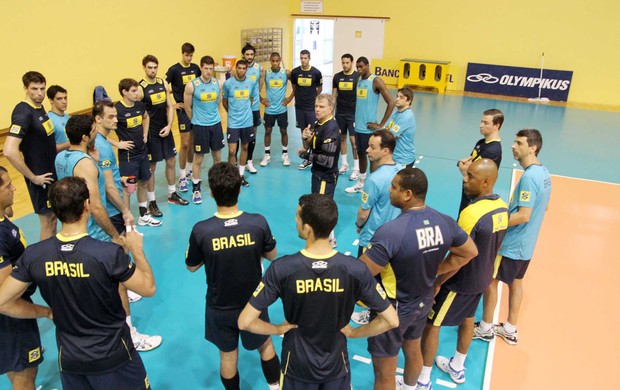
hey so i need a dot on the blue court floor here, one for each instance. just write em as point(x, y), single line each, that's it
point(577, 143)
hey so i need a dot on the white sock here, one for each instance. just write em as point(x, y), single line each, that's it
point(284, 149)
point(343, 158)
point(425, 375)
point(195, 181)
point(510, 328)
point(241, 169)
point(332, 235)
point(182, 173)
point(458, 361)
point(171, 189)
point(485, 326)
point(356, 164)
point(267, 149)
point(142, 204)
point(128, 321)
point(151, 196)
point(274, 386)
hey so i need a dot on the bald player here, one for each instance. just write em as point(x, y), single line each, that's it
point(458, 293)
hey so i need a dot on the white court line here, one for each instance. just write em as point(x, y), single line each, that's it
point(347, 253)
point(591, 180)
point(441, 382)
point(488, 369)
point(356, 242)
point(400, 370)
point(362, 359)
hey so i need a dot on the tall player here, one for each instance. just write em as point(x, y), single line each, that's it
point(177, 76)
point(344, 89)
point(275, 101)
point(31, 148)
point(161, 142)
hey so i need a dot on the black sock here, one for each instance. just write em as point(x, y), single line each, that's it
point(142, 211)
point(271, 369)
point(231, 383)
point(284, 149)
point(196, 186)
point(251, 147)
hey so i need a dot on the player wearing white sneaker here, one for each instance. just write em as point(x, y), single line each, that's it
point(88, 295)
point(458, 293)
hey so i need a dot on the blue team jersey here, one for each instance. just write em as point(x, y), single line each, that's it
point(402, 125)
point(534, 191)
point(275, 87)
point(205, 102)
point(59, 126)
point(107, 162)
point(376, 198)
point(253, 73)
point(366, 104)
point(239, 94)
point(411, 248)
point(65, 164)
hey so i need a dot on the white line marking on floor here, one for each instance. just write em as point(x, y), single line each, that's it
point(400, 370)
point(347, 253)
point(361, 359)
point(451, 385)
point(356, 242)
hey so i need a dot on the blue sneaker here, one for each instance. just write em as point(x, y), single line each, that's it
point(444, 365)
point(197, 197)
point(183, 184)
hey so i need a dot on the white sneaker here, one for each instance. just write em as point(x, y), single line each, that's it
point(361, 317)
point(354, 175)
point(249, 166)
point(147, 220)
point(358, 187)
point(266, 160)
point(285, 160)
point(343, 169)
point(400, 381)
point(144, 343)
point(133, 297)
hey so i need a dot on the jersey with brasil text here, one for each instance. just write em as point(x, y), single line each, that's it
point(231, 247)
point(534, 191)
point(402, 125)
point(491, 150)
point(366, 104)
point(130, 128)
point(107, 162)
point(60, 122)
point(346, 84)
point(376, 198)
point(155, 98)
point(78, 278)
point(486, 221)
point(238, 94)
point(205, 102)
point(32, 125)
point(275, 91)
point(179, 75)
point(325, 150)
point(254, 74)
point(66, 161)
point(318, 295)
point(12, 245)
point(306, 81)
point(413, 245)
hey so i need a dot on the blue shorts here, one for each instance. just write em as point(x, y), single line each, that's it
point(207, 138)
point(452, 308)
point(20, 344)
point(129, 376)
point(222, 330)
point(185, 124)
point(246, 135)
point(39, 198)
point(346, 123)
point(304, 118)
point(282, 119)
point(509, 269)
point(140, 168)
point(161, 149)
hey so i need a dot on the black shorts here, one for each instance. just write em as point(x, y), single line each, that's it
point(303, 118)
point(39, 198)
point(207, 138)
point(140, 168)
point(361, 142)
point(324, 187)
point(221, 329)
point(20, 344)
point(118, 222)
point(256, 118)
point(507, 269)
point(411, 327)
point(282, 119)
point(452, 308)
point(346, 123)
point(342, 382)
point(161, 149)
point(361, 250)
point(246, 135)
point(185, 124)
point(129, 376)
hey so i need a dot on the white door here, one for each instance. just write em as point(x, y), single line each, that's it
point(358, 37)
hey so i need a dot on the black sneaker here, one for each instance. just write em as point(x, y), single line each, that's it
point(244, 182)
point(175, 198)
point(304, 164)
point(154, 210)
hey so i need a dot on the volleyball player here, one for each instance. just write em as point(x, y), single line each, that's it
point(344, 89)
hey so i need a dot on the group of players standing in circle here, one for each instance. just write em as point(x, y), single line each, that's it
point(417, 269)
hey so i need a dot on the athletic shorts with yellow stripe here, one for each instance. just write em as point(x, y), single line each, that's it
point(452, 308)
